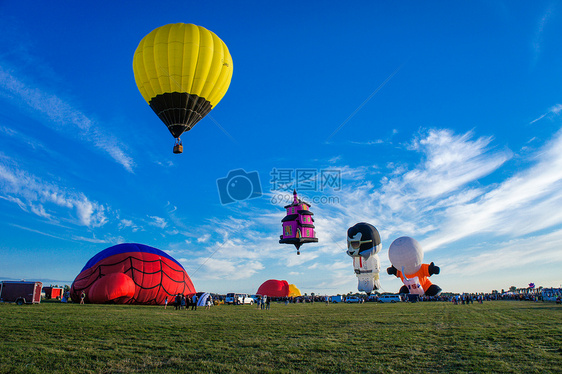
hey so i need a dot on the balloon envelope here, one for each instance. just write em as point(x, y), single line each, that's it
point(274, 288)
point(131, 274)
point(294, 291)
point(278, 288)
point(182, 71)
point(406, 254)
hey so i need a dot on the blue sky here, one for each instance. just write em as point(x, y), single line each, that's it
point(441, 121)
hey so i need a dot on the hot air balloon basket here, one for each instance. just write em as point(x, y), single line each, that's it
point(178, 148)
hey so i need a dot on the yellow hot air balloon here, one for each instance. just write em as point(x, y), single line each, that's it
point(294, 291)
point(182, 71)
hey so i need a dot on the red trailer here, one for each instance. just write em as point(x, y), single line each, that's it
point(20, 292)
point(53, 292)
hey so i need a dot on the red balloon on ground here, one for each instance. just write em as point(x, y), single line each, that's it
point(131, 274)
point(274, 288)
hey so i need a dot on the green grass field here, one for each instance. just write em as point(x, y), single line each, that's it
point(500, 336)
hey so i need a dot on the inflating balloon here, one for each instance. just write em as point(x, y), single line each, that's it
point(406, 257)
point(131, 274)
point(298, 224)
point(294, 291)
point(278, 288)
point(363, 245)
point(202, 298)
point(182, 71)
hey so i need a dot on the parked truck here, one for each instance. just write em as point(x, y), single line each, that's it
point(53, 292)
point(336, 299)
point(20, 292)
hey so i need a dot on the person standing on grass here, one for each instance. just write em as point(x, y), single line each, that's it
point(194, 302)
point(178, 301)
point(165, 302)
point(208, 303)
point(82, 297)
point(187, 302)
point(268, 301)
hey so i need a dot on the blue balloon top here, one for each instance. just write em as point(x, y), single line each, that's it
point(124, 248)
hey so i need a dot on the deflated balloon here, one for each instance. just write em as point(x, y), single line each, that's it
point(131, 274)
point(278, 288)
point(294, 291)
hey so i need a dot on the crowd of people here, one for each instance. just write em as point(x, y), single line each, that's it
point(264, 302)
point(185, 302)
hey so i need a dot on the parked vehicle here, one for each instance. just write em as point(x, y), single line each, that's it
point(336, 299)
point(238, 299)
point(353, 299)
point(21, 292)
point(53, 292)
point(389, 298)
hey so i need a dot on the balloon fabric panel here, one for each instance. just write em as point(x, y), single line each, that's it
point(110, 276)
point(183, 58)
point(294, 291)
point(278, 288)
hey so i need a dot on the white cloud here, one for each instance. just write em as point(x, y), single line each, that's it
point(158, 222)
point(441, 201)
point(128, 223)
point(552, 111)
point(220, 268)
point(45, 198)
point(538, 39)
point(89, 240)
point(556, 109)
point(13, 199)
point(369, 142)
point(37, 231)
point(529, 201)
point(204, 238)
point(451, 161)
point(106, 239)
point(65, 118)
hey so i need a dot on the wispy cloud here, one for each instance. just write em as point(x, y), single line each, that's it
point(514, 253)
point(529, 201)
point(203, 238)
point(158, 222)
point(89, 240)
point(64, 117)
point(93, 239)
point(441, 200)
point(539, 32)
point(552, 111)
point(46, 199)
point(369, 142)
point(37, 231)
point(123, 223)
point(219, 268)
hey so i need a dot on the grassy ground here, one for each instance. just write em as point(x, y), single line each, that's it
point(501, 336)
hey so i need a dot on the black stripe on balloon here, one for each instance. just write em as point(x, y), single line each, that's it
point(180, 111)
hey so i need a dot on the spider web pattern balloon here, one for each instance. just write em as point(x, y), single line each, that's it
point(131, 274)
